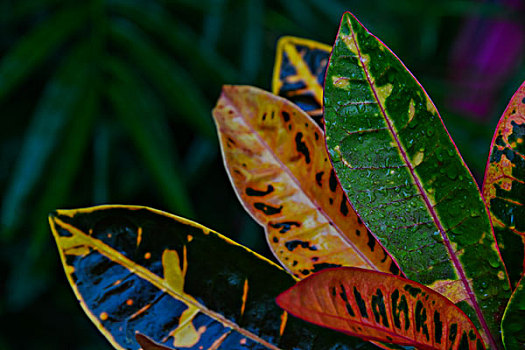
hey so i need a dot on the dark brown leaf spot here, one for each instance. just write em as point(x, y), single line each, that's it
point(379, 308)
point(414, 291)
point(319, 178)
point(322, 266)
point(267, 209)
point(344, 208)
point(255, 193)
point(285, 226)
point(438, 327)
point(371, 241)
point(463, 343)
point(421, 319)
point(360, 303)
point(332, 182)
point(453, 333)
point(400, 305)
point(301, 147)
point(343, 296)
point(394, 270)
point(292, 245)
point(385, 255)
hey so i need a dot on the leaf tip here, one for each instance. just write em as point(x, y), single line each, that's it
point(284, 299)
point(51, 218)
point(227, 89)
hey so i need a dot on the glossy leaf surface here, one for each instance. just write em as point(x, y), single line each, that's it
point(504, 185)
point(298, 73)
point(178, 284)
point(513, 325)
point(277, 162)
point(406, 179)
point(383, 307)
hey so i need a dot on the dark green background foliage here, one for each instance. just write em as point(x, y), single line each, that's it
point(109, 102)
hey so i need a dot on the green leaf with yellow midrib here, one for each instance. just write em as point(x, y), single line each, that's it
point(405, 178)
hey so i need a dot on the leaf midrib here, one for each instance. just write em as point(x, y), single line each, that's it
point(455, 261)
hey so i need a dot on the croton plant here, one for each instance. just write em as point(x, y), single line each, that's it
point(383, 235)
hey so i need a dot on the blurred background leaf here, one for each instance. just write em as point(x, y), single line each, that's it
point(109, 101)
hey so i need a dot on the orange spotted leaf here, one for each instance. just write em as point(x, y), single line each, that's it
point(276, 159)
point(151, 279)
point(504, 185)
point(298, 73)
point(381, 307)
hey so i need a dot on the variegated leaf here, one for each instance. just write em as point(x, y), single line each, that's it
point(298, 73)
point(504, 185)
point(382, 307)
point(278, 164)
point(406, 179)
point(171, 283)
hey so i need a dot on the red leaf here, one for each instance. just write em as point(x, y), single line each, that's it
point(382, 307)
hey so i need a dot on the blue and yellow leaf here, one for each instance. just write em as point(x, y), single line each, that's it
point(137, 270)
